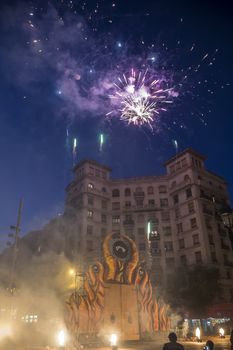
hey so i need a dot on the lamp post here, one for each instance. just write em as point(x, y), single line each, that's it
point(227, 218)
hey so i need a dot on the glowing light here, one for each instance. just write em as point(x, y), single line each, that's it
point(5, 331)
point(101, 139)
point(139, 97)
point(198, 333)
point(221, 332)
point(61, 338)
point(71, 272)
point(148, 229)
point(74, 149)
point(113, 340)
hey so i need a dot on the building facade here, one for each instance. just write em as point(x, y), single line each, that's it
point(179, 211)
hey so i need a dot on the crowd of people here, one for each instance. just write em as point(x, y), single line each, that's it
point(174, 345)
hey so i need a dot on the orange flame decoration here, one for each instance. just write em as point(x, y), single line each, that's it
point(84, 312)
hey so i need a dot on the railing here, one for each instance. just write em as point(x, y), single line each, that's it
point(128, 222)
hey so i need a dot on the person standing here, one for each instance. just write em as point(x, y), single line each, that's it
point(173, 345)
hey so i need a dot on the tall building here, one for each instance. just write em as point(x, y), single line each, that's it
point(179, 211)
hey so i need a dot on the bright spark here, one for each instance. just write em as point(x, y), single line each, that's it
point(140, 98)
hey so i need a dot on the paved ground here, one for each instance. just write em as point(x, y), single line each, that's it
point(220, 344)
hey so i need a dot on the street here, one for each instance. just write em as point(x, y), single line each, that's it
point(220, 344)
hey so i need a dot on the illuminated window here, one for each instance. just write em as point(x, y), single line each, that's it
point(90, 186)
point(90, 214)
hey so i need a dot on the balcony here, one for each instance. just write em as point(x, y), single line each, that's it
point(155, 252)
point(206, 196)
point(128, 222)
point(139, 194)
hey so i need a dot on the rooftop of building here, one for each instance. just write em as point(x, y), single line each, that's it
point(92, 162)
point(181, 154)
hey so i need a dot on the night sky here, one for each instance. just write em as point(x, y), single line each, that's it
point(57, 60)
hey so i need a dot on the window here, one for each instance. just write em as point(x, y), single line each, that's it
point(165, 216)
point(97, 172)
point(179, 227)
point(163, 202)
point(141, 231)
point(168, 246)
point(127, 204)
point(89, 230)
point(104, 190)
point(115, 219)
point(173, 184)
point(142, 247)
point(90, 214)
point(172, 169)
point(139, 190)
point(104, 204)
point(181, 243)
point(183, 162)
point(183, 260)
point(187, 178)
point(177, 213)
point(211, 240)
point(139, 203)
point(167, 230)
point(213, 257)
point(193, 223)
point(191, 207)
point(176, 199)
point(198, 257)
point(90, 200)
point(228, 274)
point(103, 232)
point(196, 239)
point(128, 218)
point(89, 246)
point(116, 206)
point(140, 218)
point(150, 190)
point(127, 192)
point(115, 193)
point(162, 189)
point(103, 218)
point(91, 170)
point(151, 202)
point(90, 186)
point(104, 175)
point(188, 192)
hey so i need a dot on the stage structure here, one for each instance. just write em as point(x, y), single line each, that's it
point(117, 297)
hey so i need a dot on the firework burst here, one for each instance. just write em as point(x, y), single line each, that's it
point(140, 98)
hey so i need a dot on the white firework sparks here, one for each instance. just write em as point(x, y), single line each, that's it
point(140, 97)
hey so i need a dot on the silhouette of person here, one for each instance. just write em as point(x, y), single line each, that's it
point(231, 339)
point(173, 345)
point(209, 345)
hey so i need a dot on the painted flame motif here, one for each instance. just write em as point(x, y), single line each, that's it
point(84, 312)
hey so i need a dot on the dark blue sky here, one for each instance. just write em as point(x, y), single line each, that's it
point(36, 157)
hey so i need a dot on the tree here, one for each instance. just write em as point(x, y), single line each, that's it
point(192, 289)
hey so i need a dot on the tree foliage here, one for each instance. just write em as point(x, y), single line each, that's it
point(192, 289)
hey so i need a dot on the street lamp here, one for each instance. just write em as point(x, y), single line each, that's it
point(227, 218)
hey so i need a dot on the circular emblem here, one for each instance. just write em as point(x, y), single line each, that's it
point(121, 249)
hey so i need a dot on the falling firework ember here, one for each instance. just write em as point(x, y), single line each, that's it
point(74, 150)
point(141, 97)
point(101, 141)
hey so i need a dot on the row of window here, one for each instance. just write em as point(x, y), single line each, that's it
point(178, 165)
point(141, 231)
point(193, 225)
point(196, 241)
point(138, 190)
point(165, 216)
point(97, 172)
